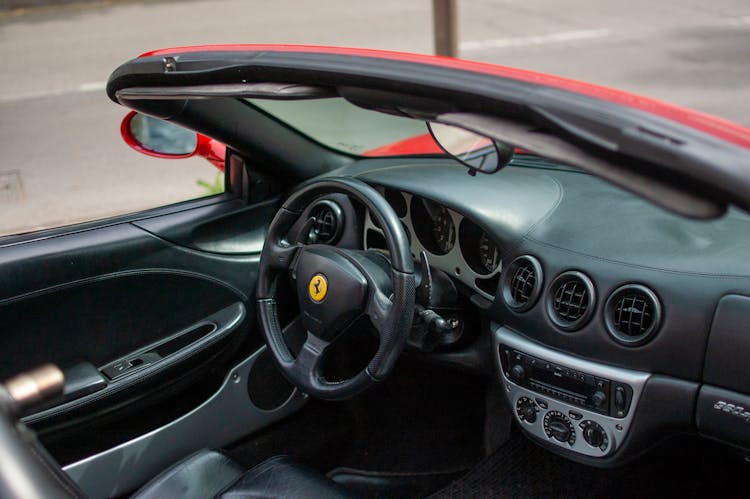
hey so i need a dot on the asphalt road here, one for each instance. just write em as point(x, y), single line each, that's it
point(63, 160)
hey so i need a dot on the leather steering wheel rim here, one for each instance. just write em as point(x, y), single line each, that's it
point(390, 307)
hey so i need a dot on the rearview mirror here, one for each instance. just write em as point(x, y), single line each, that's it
point(477, 152)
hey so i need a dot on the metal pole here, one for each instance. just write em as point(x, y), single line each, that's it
point(444, 17)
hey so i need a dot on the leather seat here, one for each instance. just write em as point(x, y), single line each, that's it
point(209, 473)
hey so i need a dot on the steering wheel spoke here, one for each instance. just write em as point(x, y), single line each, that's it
point(379, 310)
point(310, 356)
point(280, 255)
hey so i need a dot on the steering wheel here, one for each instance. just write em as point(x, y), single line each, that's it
point(335, 286)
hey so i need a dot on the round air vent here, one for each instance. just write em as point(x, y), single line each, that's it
point(571, 300)
point(328, 225)
point(522, 282)
point(632, 314)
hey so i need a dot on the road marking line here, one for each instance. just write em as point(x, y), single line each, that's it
point(739, 21)
point(92, 86)
point(83, 88)
point(526, 41)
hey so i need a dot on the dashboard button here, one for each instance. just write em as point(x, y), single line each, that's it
point(620, 400)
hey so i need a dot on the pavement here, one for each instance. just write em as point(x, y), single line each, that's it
point(64, 161)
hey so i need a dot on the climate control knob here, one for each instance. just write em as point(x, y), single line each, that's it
point(594, 434)
point(526, 409)
point(559, 427)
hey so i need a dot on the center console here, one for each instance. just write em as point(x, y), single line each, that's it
point(573, 403)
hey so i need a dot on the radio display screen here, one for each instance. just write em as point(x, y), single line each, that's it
point(562, 382)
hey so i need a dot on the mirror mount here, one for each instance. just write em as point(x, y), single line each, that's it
point(162, 139)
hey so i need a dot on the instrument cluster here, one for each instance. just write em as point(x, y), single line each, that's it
point(452, 242)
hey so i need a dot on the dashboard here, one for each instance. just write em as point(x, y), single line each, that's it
point(612, 324)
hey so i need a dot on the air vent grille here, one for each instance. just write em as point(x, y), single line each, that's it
point(632, 314)
point(522, 283)
point(328, 223)
point(571, 300)
point(325, 224)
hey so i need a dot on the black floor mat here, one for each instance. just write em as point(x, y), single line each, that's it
point(520, 469)
point(422, 419)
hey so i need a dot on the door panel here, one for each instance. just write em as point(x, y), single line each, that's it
point(146, 359)
point(50, 264)
point(99, 319)
point(215, 423)
point(211, 229)
point(150, 314)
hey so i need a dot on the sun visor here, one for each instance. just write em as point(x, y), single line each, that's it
point(274, 91)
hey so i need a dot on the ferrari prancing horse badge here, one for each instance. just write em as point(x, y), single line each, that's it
point(318, 288)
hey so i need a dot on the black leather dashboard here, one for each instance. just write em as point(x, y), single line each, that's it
point(571, 221)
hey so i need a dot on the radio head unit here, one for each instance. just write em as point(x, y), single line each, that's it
point(574, 387)
point(575, 404)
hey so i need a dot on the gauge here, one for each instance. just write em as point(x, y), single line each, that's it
point(489, 255)
point(443, 230)
point(397, 202)
point(433, 226)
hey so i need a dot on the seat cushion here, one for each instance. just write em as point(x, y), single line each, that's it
point(199, 476)
point(281, 477)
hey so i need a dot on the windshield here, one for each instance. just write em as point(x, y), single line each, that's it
point(340, 125)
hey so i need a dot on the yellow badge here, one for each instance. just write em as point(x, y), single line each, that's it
point(318, 288)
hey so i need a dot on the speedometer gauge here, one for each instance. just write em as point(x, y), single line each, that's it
point(443, 230)
point(489, 255)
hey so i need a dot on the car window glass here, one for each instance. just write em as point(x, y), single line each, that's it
point(37, 195)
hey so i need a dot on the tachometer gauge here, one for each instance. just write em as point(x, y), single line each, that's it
point(443, 230)
point(489, 255)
